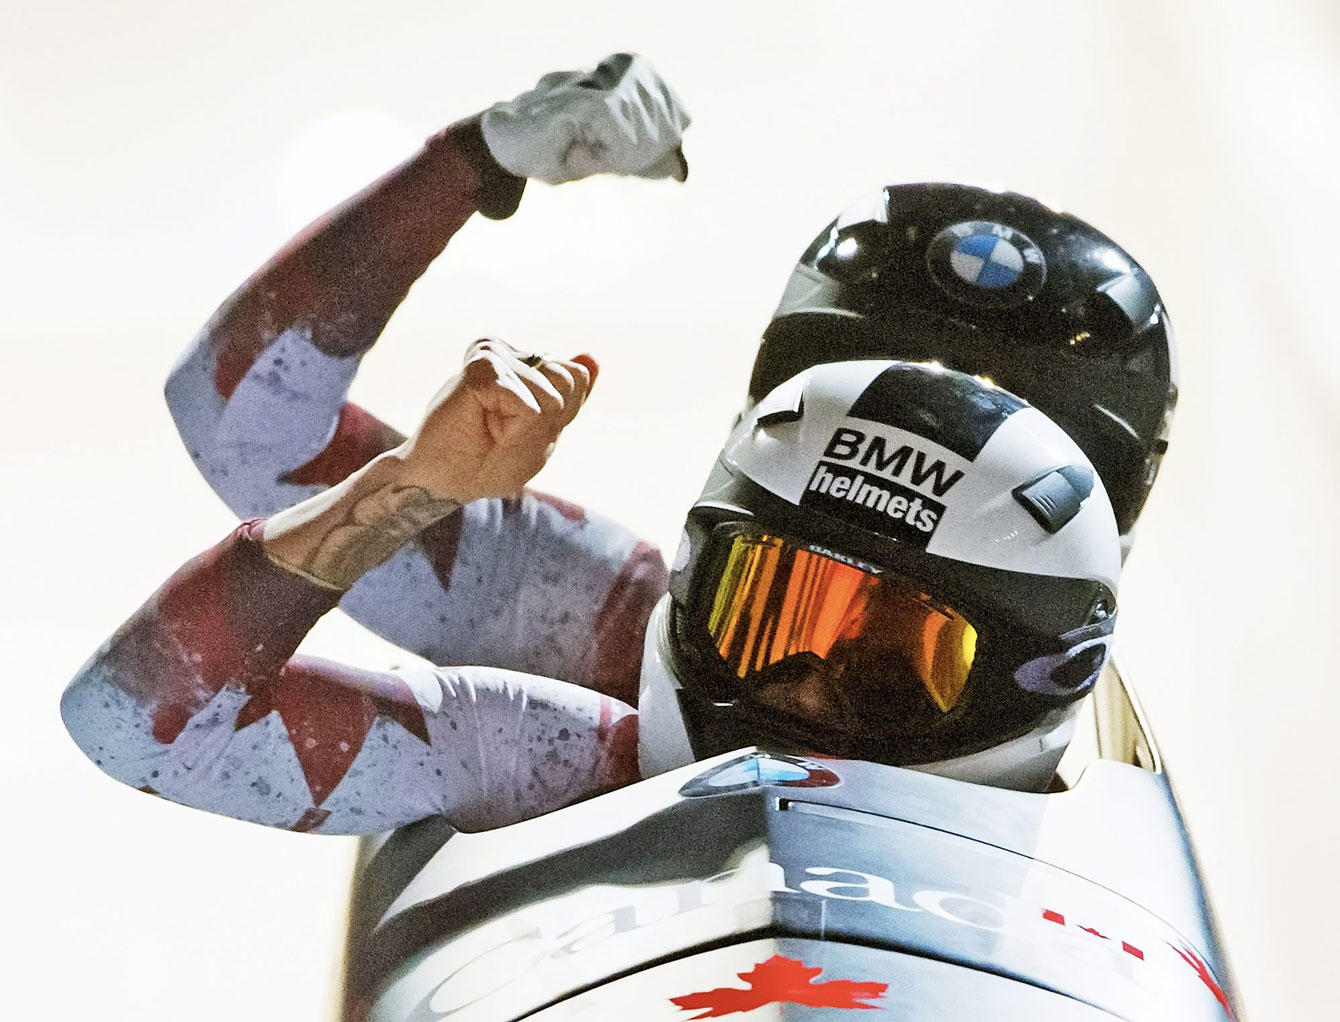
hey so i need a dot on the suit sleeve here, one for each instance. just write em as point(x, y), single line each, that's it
point(259, 397)
point(534, 584)
point(198, 698)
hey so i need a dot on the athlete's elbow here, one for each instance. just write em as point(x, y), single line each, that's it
point(192, 395)
point(74, 713)
point(99, 718)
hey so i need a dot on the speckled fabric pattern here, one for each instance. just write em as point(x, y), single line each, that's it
point(530, 590)
point(526, 582)
point(534, 584)
point(198, 699)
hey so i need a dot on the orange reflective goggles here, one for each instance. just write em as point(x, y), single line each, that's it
point(782, 612)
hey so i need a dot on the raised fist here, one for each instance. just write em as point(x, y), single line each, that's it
point(494, 424)
point(619, 117)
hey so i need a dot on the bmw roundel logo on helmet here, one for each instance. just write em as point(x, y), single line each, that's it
point(982, 262)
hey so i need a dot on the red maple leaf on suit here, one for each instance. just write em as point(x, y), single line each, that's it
point(781, 980)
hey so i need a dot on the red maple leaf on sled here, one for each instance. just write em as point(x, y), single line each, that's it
point(781, 981)
point(1203, 971)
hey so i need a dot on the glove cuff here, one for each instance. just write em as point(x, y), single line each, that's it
point(499, 190)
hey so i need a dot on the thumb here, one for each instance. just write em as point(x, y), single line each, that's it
point(673, 164)
point(592, 367)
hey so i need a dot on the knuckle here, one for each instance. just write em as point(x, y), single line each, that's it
point(551, 401)
point(478, 370)
point(482, 369)
point(561, 376)
point(480, 344)
point(493, 345)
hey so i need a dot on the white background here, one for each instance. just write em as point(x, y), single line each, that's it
point(153, 153)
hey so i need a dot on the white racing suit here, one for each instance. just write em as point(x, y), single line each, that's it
point(199, 698)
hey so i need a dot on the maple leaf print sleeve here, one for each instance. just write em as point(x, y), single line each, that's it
point(200, 699)
point(533, 583)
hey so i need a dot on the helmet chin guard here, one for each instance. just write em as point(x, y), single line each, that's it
point(1026, 763)
point(662, 739)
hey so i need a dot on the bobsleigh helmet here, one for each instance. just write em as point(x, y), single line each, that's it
point(998, 285)
point(893, 562)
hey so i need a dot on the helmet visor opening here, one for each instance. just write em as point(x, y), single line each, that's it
point(805, 631)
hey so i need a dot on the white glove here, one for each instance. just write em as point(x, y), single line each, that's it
point(619, 117)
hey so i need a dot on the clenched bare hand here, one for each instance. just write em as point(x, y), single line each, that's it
point(494, 424)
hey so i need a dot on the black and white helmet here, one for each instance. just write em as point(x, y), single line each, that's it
point(891, 561)
point(999, 285)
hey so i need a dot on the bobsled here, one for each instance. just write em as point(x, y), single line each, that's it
point(764, 885)
point(767, 884)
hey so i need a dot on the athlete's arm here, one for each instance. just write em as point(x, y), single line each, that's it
point(199, 698)
point(530, 583)
point(259, 397)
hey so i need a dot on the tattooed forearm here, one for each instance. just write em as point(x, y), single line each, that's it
point(337, 536)
point(372, 530)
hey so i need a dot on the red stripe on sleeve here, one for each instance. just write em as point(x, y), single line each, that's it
point(621, 623)
point(310, 820)
point(328, 710)
point(440, 543)
point(572, 512)
point(227, 617)
point(359, 437)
